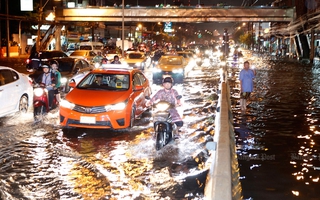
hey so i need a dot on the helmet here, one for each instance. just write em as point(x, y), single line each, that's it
point(45, 66)
point(167, 80)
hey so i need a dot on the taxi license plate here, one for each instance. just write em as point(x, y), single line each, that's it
point(165, 76)
point(87, 120)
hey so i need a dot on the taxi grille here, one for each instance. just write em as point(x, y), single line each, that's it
point(89, 110)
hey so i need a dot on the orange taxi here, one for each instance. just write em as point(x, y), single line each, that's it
point(111, 97)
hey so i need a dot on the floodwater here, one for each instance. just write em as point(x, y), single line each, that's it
point(44, 161)
point(278, 137)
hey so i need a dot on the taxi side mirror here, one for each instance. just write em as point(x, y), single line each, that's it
point(72, 84)
point(138, 88)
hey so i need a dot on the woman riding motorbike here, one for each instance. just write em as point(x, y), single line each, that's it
point(170, 95)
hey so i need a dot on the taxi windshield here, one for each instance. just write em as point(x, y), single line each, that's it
point(102, 81)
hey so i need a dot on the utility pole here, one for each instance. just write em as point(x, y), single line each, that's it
point(8, 32)
point(39, 25)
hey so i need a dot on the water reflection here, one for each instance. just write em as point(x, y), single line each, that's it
point(277, 138)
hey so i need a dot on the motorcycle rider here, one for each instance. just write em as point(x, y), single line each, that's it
point(98, 58)
point(170, 95)
point(116, 60)
point(55, 69)
point(49, 80)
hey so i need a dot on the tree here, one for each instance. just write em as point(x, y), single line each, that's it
point(246, 39)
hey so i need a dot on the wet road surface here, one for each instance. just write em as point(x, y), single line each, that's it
point(278, 138)
point(44, 161)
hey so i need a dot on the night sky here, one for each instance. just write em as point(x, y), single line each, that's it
point(14, 8)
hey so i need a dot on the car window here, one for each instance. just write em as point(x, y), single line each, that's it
point(91, 53)
point(65, 66)
point(142, 78)
point(84, 64)
point(136, 80)
point(8, 76)
point(78, 64)
point(135, 55)
point(85, 47)
point(97, 47)
point(97, 81)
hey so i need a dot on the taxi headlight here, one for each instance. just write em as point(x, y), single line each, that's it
point(64, 80)
point(38, 92)
point(176, 71)
point(118, 106)
point(66, 104)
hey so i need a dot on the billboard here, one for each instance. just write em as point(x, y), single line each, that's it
point(26, 5)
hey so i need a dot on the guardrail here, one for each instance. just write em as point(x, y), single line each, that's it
point(223, 176)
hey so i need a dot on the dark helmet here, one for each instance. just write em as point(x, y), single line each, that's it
point(45, 66)
point(167, 80)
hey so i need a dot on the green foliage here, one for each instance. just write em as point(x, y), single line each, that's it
point(246, 39)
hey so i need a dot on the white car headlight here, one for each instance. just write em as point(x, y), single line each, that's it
point(67, 104)
point(176, 71)
point(156, 70)
point(138, 64)
point(38, 92)
point(64, 80)
point(118, 106)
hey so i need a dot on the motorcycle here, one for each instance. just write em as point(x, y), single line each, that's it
point(41, 101)
point(163, 126)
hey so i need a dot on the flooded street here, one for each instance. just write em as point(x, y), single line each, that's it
point(44, 161)
point(278, 138)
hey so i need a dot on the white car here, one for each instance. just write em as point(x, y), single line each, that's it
point(16, 91)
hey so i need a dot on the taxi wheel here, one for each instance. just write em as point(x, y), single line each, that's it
point(132, 118)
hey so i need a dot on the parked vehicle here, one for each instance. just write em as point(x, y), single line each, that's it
point(111, 97)
point(33, 63)
point(16, 92)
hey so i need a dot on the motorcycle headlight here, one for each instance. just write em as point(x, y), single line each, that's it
point(162, 106)
point(176, 71)
point(118, 106)
point(64, 80)
point(38, 92)
point(67, 104)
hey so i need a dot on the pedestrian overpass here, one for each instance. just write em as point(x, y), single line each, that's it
point(175, 14)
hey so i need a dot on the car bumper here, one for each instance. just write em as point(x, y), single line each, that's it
point(106, 120)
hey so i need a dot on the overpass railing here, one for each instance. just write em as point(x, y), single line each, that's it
point(223, 176)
